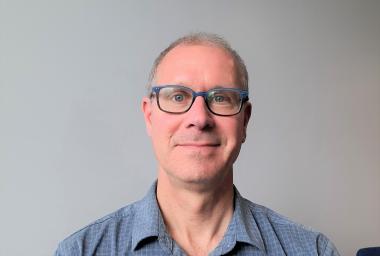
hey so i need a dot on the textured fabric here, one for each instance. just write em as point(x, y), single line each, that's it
point(138, 229)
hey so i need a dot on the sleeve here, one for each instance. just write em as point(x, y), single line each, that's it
point(65, 249)
point(59, 252)
point(331, 250)
point(326, 247)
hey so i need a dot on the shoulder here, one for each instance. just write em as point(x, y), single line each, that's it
point(290, 235)
point(102, 232)
point(263, 213)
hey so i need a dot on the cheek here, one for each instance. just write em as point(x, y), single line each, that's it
point(232, 132)
point(233, 135)
point(162, 131)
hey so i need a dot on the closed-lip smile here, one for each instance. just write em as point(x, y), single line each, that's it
point(198, 144)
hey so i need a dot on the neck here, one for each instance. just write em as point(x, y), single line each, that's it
point(196, 215)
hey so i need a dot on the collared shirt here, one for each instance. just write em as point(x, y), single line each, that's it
point(139, 229)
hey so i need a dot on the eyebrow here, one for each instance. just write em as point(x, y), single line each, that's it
point(187, 85)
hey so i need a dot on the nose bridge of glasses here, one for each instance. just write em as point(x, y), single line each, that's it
point(204, 99)
point(202, 94)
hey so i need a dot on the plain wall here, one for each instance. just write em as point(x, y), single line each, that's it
point(73, 145)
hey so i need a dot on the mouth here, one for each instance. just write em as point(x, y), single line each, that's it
point(199, 145)
point(197, 141)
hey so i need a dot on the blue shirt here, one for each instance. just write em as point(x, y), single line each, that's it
point(139, 229)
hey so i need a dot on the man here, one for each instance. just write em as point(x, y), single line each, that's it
point(196, 113)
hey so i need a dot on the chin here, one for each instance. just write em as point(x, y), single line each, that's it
point(198, 175)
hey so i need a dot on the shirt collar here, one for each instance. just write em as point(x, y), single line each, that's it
point(246, 227)
point(147, 218)
point(148, 221)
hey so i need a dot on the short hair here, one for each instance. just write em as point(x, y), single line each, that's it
point(202, 38)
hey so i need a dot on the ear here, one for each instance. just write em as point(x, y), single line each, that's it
point(247, 115)
point(146, 107)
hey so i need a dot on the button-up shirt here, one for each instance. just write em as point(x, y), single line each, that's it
point(139, 229)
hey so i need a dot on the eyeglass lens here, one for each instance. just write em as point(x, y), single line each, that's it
point(177, 99)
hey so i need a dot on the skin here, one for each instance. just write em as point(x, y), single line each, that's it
point(196, 150)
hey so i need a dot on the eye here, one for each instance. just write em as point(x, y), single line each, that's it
point(219, 98)
point(178, 97)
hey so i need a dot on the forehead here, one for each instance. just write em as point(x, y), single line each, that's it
point(205, 65)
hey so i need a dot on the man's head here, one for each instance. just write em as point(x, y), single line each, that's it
point(197, 146)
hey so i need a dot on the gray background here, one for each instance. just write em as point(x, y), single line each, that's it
point(73, 145)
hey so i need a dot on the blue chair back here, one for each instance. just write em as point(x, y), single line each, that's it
point(370, 251)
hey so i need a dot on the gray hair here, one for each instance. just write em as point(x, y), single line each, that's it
point(203, 39)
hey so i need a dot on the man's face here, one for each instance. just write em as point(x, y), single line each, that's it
point(196, 146)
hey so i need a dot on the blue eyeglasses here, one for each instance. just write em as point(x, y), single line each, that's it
point(177, 99)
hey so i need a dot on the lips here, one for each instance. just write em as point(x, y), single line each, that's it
point(196, 140)
point(198, 144)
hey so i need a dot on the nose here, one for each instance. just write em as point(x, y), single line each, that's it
point(199, 115)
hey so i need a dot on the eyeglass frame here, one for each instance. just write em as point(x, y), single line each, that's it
point(243, 94)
